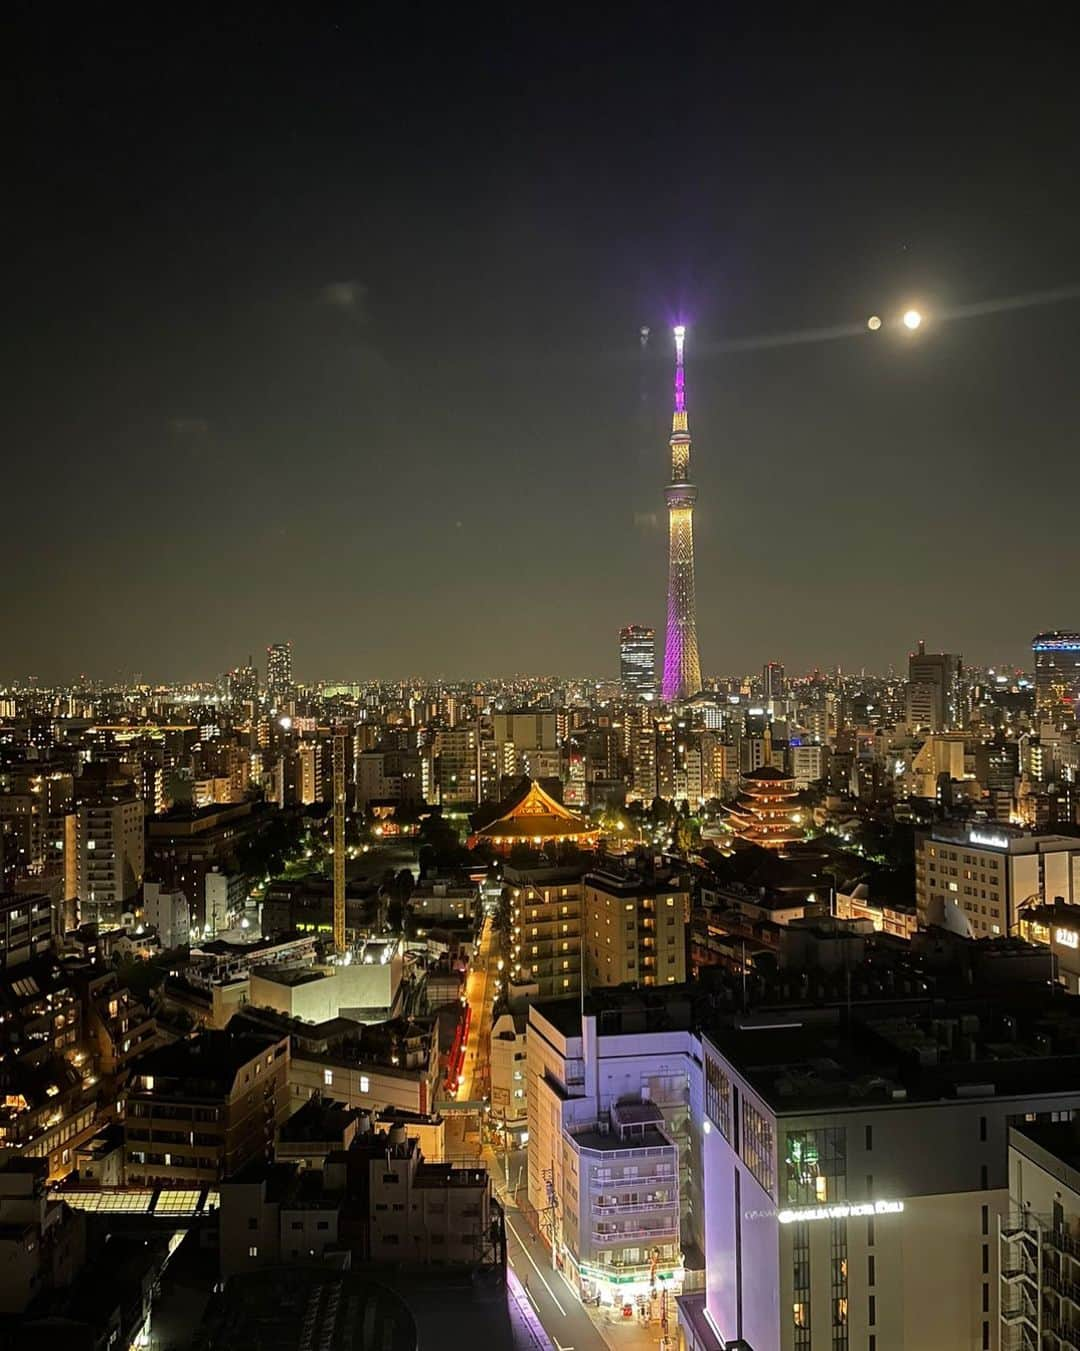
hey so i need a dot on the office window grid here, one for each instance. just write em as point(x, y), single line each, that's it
point(800, 1288)
point(815, 1166)
point(839, 1256)
point(718, 1097)
point(756, 1146)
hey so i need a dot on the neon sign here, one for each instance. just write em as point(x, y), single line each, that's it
point(991, 841)
point(1068, 938)
point(843, 1211)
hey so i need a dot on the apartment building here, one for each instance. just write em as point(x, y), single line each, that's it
point(635, 928)
point(587, 1076)
point(1039, 1239)
point(198, 1111)
point(545, 929)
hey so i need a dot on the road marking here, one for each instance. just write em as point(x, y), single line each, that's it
point(559, 1346)
point(528, 1254)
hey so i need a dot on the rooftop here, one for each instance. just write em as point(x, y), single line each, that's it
point(802, 1059)
point(208, 1062)
point(624, 1010)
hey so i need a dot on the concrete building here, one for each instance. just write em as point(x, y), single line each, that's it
point(439, 899)
point(935, 691)
point(109, 856)
point(224, 896)
point(424, 1212)
point(379, 1198)
point(611, 1101)
point(274, 1213)
point(508, 1073)
point(388, 776)
point(808, 765)
point(185, 845)
point(1038, 1238)
point(545, 928)
point(28, 924)
point(458, 765)
point(199, 1111)
point(42, 1242)
point(169, 913)
point(991, 873)
point(635, 928)
point(369, 989)
point(854, 1175)
point(373, 1067)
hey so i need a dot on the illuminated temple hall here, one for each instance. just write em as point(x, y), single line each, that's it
point(534, 817)
point(767, 812)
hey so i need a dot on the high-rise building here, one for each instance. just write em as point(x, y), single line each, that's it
point(773, 684)
point(242, 683)
point(279, 670)
point(1057, 674)
point(109, 853)
point(637, 661)
point(935, 700)
point(682, 667)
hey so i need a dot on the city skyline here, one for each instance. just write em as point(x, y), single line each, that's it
point(364, 419)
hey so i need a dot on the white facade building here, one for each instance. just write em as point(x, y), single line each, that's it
point(169, 913)
point(630, 1067)
point(854, 1178)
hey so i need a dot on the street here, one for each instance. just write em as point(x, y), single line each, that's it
point(555, 1303)
point(480, 994)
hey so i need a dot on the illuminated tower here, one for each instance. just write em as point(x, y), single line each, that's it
point(682, 669)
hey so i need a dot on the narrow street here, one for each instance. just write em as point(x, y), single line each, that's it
point(480, 994)
point(568, 1324)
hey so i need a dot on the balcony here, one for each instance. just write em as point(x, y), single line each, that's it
point(618, 1208)
point(663, 1233)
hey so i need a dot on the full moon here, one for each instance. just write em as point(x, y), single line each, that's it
point(912, 319)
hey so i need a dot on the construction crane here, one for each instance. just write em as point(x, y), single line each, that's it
point(339, 838)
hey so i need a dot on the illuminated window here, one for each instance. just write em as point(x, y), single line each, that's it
point(253, 1252)
point(365, 1083)
point(328, 1078)
point(800, 1314)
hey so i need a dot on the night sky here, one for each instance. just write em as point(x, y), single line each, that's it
point(328, 331)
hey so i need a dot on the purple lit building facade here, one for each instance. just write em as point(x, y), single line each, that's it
point(682, 667)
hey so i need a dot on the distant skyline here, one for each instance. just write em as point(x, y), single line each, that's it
point(327, 331)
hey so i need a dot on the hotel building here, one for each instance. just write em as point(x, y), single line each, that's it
point(992, 873)
point(855, 1174)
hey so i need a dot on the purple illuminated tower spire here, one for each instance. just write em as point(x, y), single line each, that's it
point(682, 668)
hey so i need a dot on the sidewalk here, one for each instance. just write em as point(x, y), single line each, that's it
point(620, 1334)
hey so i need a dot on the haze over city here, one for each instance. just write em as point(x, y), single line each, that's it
point(325, 334)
